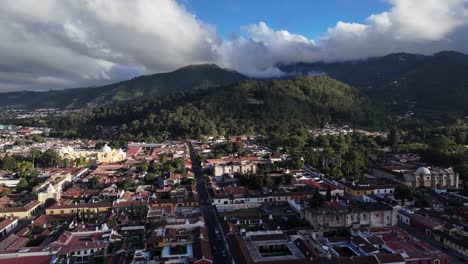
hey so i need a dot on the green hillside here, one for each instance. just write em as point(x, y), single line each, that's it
point(248, 107)
point(437, 83)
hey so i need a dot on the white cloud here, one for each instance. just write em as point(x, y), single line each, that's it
point(264, 48)
point(60, 43)
point(85, 41)
point(409, 26)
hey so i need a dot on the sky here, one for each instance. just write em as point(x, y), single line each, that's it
point(304, 17)
point(61, 44)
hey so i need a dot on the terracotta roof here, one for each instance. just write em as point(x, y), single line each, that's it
point(426, 221)
point(21, 241)
point(83, 205)
point(25, 208)
point(27, 260)
point(202, 249)
point(8, 241)
point(390, 258)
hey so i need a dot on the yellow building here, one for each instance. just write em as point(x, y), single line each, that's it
point(25, 211)
point(451, 241)
point(60, 208)
point(358, 190)
point(105, 154)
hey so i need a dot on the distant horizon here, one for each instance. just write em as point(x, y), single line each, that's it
point(202, 64)
point(62, 44)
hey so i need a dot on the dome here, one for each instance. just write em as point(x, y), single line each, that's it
point(423, 170)
point(106, 148)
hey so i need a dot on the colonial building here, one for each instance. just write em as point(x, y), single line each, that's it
point(105, 154)
point(233, 165)
point(342, 214)
point(434, 178)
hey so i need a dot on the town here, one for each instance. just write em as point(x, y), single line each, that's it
point(237, 199)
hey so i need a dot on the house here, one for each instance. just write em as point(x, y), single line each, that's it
point(73, 208)
point(24, 211)
point(7, 224)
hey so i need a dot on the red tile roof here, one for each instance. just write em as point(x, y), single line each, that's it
point(27, 260)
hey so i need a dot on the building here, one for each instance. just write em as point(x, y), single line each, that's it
point(69, 208)
point(413, 250)
point(82, 246)
point(7, 224)
point(434, 178)
point(105, 155)
point(373, 187)
point(233, 165)
point(340, 214)
point(24, 211)
point(268, 247)
point(55, 186)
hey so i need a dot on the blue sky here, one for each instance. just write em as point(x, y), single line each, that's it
point(310, 18)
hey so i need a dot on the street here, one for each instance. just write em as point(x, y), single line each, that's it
point(219, 248)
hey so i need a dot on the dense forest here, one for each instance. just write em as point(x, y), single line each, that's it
point(249, 107)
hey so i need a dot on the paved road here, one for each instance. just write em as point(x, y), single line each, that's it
point(219, 247)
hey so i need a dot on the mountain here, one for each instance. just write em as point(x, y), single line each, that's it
point(161, 84)
point(437, 84)
point(431, 83)
point(250, 106)
point(362, 72)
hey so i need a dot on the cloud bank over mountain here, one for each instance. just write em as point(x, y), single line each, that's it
point(64, 44)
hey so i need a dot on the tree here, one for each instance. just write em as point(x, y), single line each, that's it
point(35, 153)
point(354, 163)
point(402, 193)
point(440, 143)
point(50, 158)
point(316, 200)
point(394, 138)
point(8, 163)
point(328, 194)
point(150, 178)
point(126, 184)
point(22, 184)
point(24, 168)
point(80, 162)
point(142, 168)
point(94, 182)
point(37, 139)
point(297, 162)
